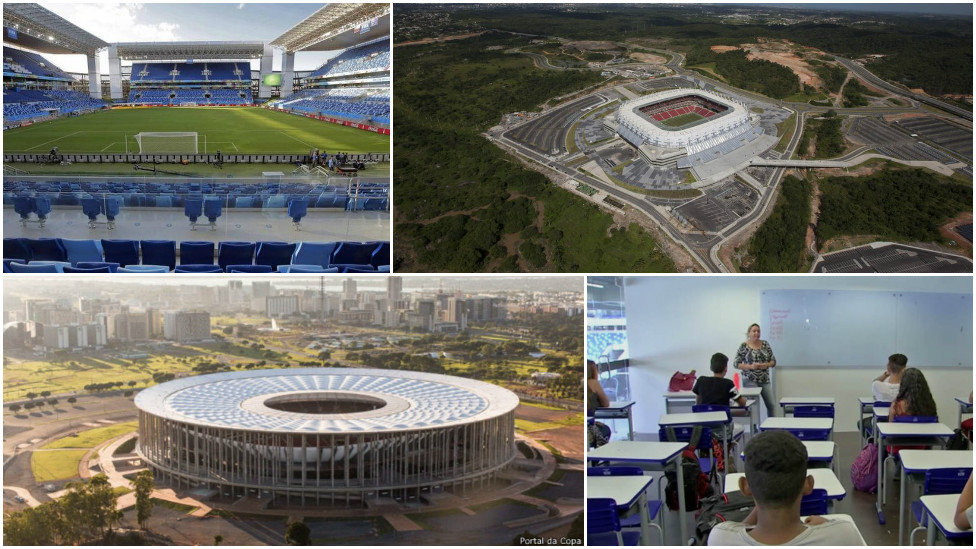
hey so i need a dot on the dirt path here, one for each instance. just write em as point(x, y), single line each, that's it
point(439, 39)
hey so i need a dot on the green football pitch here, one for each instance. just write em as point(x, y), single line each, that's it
point(232, 130)
point(678, 121)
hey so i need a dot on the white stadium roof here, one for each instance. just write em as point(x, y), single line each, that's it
point(415, 400)
point(333, 26)
point(41, 30)
point(168, 51)
point(629, 116)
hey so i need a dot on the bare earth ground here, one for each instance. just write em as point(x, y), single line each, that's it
point(567, 440)
point(845, 242)
point(440, 39)
point(814, 214)
point(948, 231)
point(594, 45)
point(781, 52)
point(649, 58)
point(723, 49)
point(541, 415)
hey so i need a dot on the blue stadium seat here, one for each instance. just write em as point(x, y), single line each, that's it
point(353, 253)
point(112, 266)
point(24, 206)
point(198, 269)
point(313, 253)
point(91, 207)
point(82, 250)
point(262, 269)
point(274, 253)
point(34, 269)
point(235, 253)
point(123, 252)
point(46, 249)
point(212, 209)
point(59, 265)
point(381, 255)
point(16, 248)
point(297, 209)
point(193, 209)
point(196, 252)
point(70, 269)
point(300, 268)
point(306, 270)
point(159, 252)
point(143, 269)
point(7, 262)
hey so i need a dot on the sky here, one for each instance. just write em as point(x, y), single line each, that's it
point(963, 8)
point(172, 22)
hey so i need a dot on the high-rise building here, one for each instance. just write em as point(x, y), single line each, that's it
point(281, 305)
point(349, 289)
point(394, 291)
point(185, 326)
point(457, 312)
point(131, 326)
point(260, 289)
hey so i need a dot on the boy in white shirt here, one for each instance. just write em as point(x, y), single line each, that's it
point(776, 477)
point(885, 387)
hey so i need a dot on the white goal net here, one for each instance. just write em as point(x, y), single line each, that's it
point(167, 142)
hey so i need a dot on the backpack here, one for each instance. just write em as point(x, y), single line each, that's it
point(732, 507)
point(696, 483)
point(682, 382)
point(599, 434)
point(957, 441)
point(864, 470)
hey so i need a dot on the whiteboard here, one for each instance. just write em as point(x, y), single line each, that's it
point(862, 328)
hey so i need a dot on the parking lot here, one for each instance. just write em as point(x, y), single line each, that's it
point(892, 258)
point(720, 206)
point(954, 138)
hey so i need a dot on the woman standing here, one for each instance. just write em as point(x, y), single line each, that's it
point(755, 358)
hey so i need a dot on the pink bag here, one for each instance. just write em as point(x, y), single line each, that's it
point(864, 470)
point(682, 382)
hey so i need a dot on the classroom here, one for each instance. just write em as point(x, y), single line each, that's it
point(804, 353)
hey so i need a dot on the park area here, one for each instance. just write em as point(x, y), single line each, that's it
point(232, 130)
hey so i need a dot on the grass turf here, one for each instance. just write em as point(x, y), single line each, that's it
point(93, 437)
point(682, 120)
point(230, 129)
point(49, 465)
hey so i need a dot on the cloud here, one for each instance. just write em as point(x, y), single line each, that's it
point(117, 22)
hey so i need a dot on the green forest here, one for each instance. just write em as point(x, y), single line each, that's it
point(765, 77)
point(930, 52)
point(464, 205)
point(777, 247)
point(902, 205)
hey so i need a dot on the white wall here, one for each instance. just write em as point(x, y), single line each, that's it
point(678, 322)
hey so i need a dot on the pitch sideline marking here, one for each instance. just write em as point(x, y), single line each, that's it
point(53, 140)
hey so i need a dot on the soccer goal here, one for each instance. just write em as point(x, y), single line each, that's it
point(167, 142)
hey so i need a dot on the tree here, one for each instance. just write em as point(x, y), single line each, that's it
point(28, 405)
point(298, 533)
point(132, 383)
point(217, 539)
point(144, 484)
point(15, 408)
point(31, 396)
point(40, 403)
point(53, 402)
point(127, 394)
point(45, 394)
point(72, 400)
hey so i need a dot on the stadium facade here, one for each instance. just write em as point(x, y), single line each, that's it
point(641, 122)
point(327, 436)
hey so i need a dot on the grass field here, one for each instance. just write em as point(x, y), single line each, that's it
point(679, 121)
point(49, 465)
point(230, 129)
point(92, 437)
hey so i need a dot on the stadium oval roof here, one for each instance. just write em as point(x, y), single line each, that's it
point(167, 51)
point(414, 400)
point(40, 30)
point(333, 27)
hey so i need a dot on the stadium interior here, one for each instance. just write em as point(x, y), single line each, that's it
point(323, 199)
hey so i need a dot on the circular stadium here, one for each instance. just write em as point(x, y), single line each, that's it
point(682, 121)
point(325, 436)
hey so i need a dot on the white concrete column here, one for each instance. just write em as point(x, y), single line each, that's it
point(287, 73)
point(94, 76)
point(264, 91)
point(114, 73)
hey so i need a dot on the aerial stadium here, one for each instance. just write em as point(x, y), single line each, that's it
point(682, 122)
point(314, 436)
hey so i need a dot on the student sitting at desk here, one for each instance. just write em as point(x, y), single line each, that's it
point(914, 399)
point(719, 390)
point(885, 387)
point(776, 477)
point(964, 509)
point(596, 397)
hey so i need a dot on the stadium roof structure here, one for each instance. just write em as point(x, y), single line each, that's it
point(40, 30)
point(329, 28)
point(411, 400)
point(168, 51)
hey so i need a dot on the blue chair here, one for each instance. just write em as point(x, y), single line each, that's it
point(683, 434)
point(113, 205)
point(82, 250)
point(92, 270)
point(937, 481)
point(35, 269)
point(112, 266)
point(302, 270)
point(42, 207)
point(814, 503)
point(813, 411)
point(159, 252)
point(248, 269)
point(193, 209)
point(123, 252)
point(7, 262)
point(46, 249)
point(312, 253)
point(381, 256)
point(235, 253)
point(60, 265)
point(143, 269)
point(196, 252)
point(297, 209)
point(24, 206)
point(16, 248)
point(353, 253)
point(198, 269)
point(212, 209)
point(356, 269)
point(274, 253)
point(603, 524)
point(383, 269)
point(92, 208)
